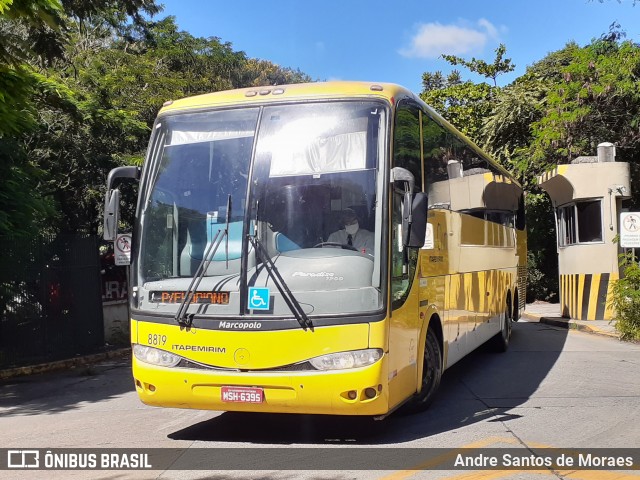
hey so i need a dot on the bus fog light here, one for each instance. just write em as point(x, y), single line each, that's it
point(345, 360)
point(155, 356)
point(370, 392)
point(352, 394)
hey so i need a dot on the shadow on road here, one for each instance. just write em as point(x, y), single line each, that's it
point(63, 391)
point(482, 387)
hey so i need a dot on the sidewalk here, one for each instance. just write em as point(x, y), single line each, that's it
point(79, 361)
point(549, 313)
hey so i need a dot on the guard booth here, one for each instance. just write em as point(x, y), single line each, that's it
point(587, 198)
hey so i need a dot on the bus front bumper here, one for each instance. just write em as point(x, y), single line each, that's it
point(359, 391)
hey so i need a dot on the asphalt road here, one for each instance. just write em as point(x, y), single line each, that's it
point(554, 388)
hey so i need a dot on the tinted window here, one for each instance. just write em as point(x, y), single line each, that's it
point(406, 142)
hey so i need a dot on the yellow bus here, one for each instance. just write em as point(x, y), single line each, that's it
point(323, 248)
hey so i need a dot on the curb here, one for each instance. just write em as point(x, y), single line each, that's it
point(570, 324)
point(578, 326)
point(63, 364)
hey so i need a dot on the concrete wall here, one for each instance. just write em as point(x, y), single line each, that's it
point(116, 322)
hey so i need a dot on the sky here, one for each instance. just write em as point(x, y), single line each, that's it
point(396, 41)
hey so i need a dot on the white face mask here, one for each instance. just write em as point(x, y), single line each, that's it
point(352, 229)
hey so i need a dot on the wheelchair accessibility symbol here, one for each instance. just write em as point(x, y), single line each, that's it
point(259, 298)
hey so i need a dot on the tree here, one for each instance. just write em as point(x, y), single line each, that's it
point(22, 208)
point(464, 103)
point(17, 20)
point(596, 100)
point(506, 131)
point(41, 183)
point(263, 73)
point(98, 100)
point(499, 66)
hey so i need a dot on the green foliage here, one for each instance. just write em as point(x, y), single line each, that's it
point(80, 86)
point(506, 131)
point(76, 143)
point(499, 66)
point(18, 18)
point(565, 105)
point(16, 111)
point(542, 261)
point(31, 31)
point(23, 211)
point(595, 99)
point(626, 299)
point(464, 103)
point(257, 73)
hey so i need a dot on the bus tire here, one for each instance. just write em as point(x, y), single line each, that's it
point(431, 374)
point(500, 341)
point(515, 315)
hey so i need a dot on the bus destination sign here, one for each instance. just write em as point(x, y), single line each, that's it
point(215, 298)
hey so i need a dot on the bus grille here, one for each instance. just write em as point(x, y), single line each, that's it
point(522, 286)
point(296, 367)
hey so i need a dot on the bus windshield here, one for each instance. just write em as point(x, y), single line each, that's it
point(303, 180)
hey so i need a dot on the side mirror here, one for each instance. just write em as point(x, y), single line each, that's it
point(414, 233)
point(414, 209)
point(112, 200)
point(111, 214)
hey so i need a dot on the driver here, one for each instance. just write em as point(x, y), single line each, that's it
point(352, 235)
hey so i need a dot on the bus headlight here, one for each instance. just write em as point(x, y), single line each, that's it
point(344, 360)
point(155, 356)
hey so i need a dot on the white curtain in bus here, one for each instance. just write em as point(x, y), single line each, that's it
point(183, 137)
point(337, 153)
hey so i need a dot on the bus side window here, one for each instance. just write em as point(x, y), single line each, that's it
point(406, 154)
point(406, 141)
point(437, 159)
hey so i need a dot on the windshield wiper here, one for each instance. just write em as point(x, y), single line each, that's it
point(281, 285)
point(183, 319)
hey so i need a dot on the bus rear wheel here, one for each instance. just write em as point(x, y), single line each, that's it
point(431, 374)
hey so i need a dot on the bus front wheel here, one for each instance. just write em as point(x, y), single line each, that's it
point(431, 374)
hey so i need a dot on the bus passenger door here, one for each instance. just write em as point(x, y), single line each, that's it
point(405, 319)
point(404, 326)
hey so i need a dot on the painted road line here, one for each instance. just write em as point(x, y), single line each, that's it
point(497, 474)
point(439, 460)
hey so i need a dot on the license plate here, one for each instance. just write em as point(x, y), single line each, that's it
point(242, 394)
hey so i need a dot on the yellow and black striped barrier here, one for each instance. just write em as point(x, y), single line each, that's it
point(586, 296)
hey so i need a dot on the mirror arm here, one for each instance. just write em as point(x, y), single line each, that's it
point(122, 172)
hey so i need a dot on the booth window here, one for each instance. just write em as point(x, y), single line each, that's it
point(580, 222)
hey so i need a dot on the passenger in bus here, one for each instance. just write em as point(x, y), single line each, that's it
point(352, 235)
